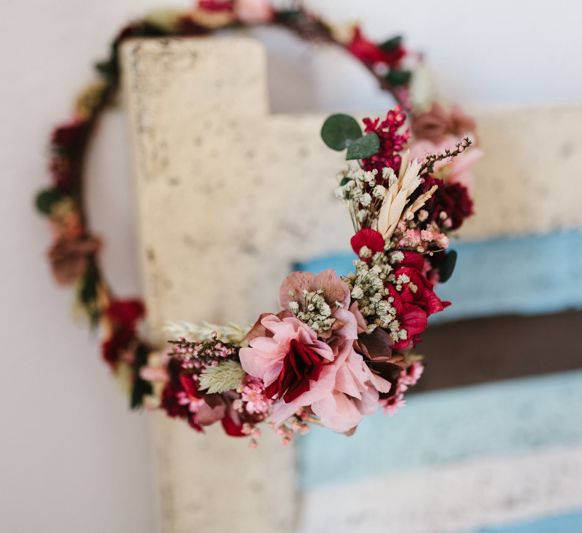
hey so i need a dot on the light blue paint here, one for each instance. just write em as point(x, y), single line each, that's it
point(529, 275)
point(564, 523)
point(438, 428)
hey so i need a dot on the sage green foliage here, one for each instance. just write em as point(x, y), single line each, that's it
point(342, 131)
point(221, 378)
point(339, 131)
point(447, 267)
point(364, 147)
point(46, 199)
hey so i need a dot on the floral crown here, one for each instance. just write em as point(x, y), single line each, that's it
point(339, 347)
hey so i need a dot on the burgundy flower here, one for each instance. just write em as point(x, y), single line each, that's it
point(126, 312)
point(69, 258)
point(369, 238)
point(371, 54)
point(451, 201)
point(70, 136)
point(124, 316)
point(215, 5)
point(392, 141)
point(300, 365)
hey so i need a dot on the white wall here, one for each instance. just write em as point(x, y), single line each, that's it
point(72, 459)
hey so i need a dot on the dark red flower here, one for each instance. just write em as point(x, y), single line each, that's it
point(126, 312)
point(215, 5)
point(71, 136)
point(421, 292)
point(414, 266)
point(124, 316)
point(369, 238)
point(372, 54)
point(452, 199)
point(232, 427)
point(392, 141)
point(301, 365)
point(411, 317)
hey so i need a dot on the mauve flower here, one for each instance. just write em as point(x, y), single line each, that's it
point(69, 257)
point(253, 11)
point(334, 289)
point(437, 123)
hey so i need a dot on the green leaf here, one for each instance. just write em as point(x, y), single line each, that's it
point(391, 44)
point(141, 388)
point(447, 267)
point(398, 77)
point(221, 378)
point(364, 147)
point(345, 181)
point(46, 199)
point(339, 131)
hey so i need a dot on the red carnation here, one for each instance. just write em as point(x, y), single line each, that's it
point(368, 238)
point(371, 54)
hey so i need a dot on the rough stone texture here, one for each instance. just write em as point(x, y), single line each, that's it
point(530, 178)
point(229, 197)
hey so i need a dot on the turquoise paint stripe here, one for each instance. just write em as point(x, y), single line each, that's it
point(529, 275)
point(564, 523)
point(439, 428)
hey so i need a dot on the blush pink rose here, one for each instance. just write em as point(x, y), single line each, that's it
point(253, 11)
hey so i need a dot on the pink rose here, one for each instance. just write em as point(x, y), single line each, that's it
point(253, 11)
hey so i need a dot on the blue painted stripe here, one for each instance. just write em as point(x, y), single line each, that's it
point(439, 428)
point(564, 523)
point(529, 274)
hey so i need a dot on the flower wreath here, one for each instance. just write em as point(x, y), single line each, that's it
point(339, 347)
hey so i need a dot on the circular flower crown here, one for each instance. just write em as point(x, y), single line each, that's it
point(339, 347)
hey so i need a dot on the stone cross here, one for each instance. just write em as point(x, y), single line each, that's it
point(229, 197)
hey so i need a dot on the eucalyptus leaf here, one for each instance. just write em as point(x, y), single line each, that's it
point(398, 77)
point(391, 44)
point(364, 147)
point(447, 267)
point(46, 199)
point(340, 131)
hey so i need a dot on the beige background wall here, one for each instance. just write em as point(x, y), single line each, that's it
point(71, 458)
